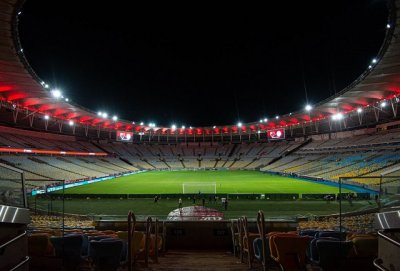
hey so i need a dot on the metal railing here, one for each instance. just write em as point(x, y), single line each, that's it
point(21, 263)
point(12, 240)
point(6, 244)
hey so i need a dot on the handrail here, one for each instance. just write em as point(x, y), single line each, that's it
point(21, 263)
point(131, 231)
point(149, 222)
point(387, 238)
point(378, 264)
point(261, 227)
point(13, 240)
point(156, 229)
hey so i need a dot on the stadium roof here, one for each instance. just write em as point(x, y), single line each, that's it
point(22, 90)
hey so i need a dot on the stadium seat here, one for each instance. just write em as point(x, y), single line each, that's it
point(332, 253)
point(106, 254)
point(310, 233)
point(289, 250)
point(332, 234)
point(260, 244)
point(69, 248)
point(234, 226)
point(247, 243)
point(39, 245)
point(138, 242)
point(365, 246)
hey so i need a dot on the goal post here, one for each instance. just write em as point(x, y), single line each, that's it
point(195, 188)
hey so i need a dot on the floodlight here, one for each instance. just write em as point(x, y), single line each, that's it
point(308, 107)
point(239, 124)
point(114, 118)
point(173, 126)
point(277, 117)
point(46, 117)
point(99, 113)
point(42, 83)
point(141, 123)
point(56, 93)
point(265, 120)
point(383, 104)
point(71, 123)
point(370, 67)
point(374, 60)
point(214, 127)
point(104, 115)
point(66, 99)
point(183, 127)
point(337, 116)
point(359, 110)
point(261, 121)
point(388, 26)
point(46, 86)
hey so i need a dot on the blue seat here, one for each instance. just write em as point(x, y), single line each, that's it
point(106, 255)
point(85, 243)
point(69, 248)
point(98, 237)
point(258, 250)
point(332, 252)
point(124, 252)
point(332, 234)
point(310, 233)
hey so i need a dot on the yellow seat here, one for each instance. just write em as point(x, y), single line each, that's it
point(138, 241)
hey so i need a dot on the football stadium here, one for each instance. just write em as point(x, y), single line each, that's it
point(314, 189)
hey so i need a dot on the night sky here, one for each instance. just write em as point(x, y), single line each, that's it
point(200, 64)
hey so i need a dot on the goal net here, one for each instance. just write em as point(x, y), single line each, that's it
point(194, 188)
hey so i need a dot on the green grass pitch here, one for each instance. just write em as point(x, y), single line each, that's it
point(170, 182)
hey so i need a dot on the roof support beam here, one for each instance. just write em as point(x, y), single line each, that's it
point(15, 114)
point(60, 125)
point(394, 107)
point(360, 117)
point(376, 112)
point(46, 124)
point(31, 118)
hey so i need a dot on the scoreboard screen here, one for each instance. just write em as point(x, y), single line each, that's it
point(124, 136)
point(276, 134)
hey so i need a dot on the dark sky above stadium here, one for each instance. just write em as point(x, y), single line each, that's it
point(200, 64)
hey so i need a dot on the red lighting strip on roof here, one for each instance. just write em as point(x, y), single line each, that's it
point(16, 150)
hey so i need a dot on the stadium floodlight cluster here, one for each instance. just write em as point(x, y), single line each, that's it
point(56, 93)
point(337, 116)
point(104, 115)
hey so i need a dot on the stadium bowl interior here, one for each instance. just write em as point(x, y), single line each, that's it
point(315, 191)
